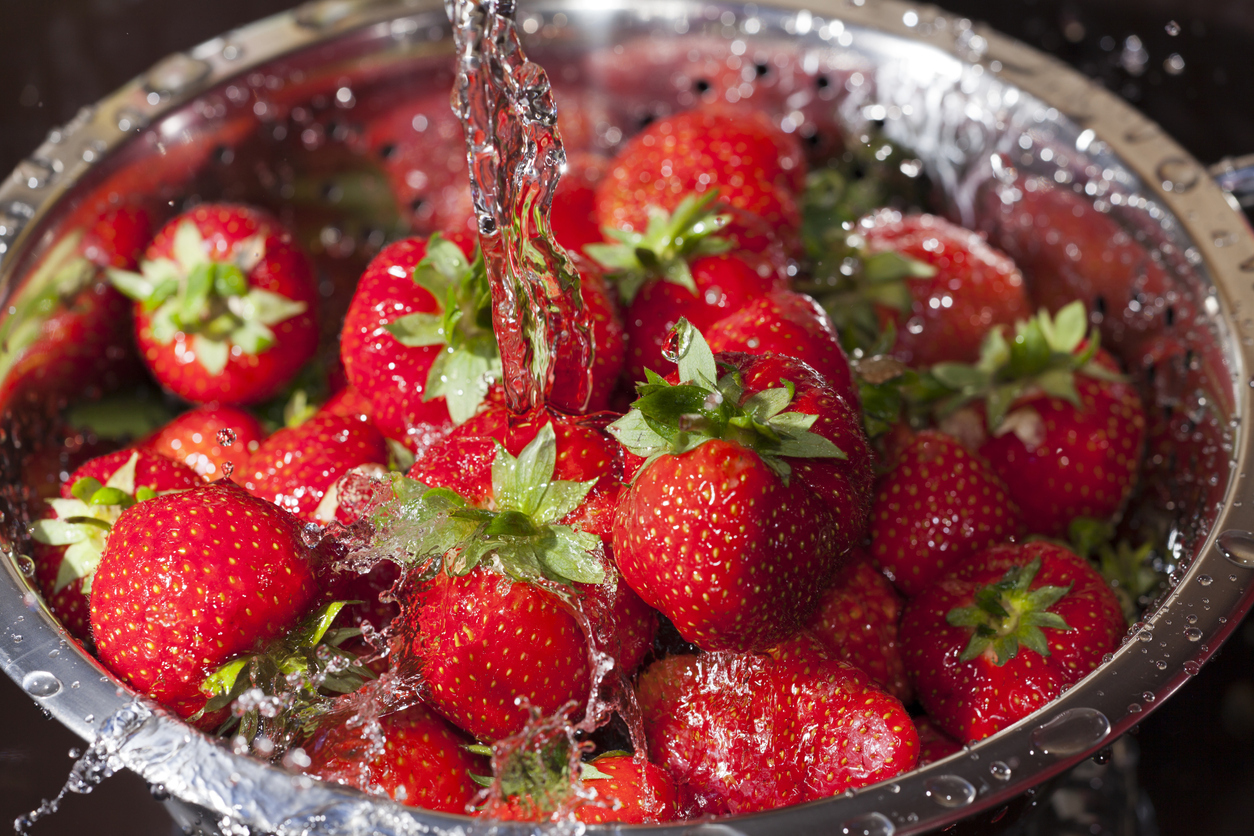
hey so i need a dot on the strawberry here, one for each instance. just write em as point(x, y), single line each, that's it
point(743, 732)
point(679, 268)
point(939, 505)
point(297, 466)
point(608, 347)
point(719, 448)
point(934, 744)
point(225, 305)
point(1062, 428)
point(857, 623)
point(413, 756)
point(940, 313)
point(207, 438)
point(71, 537)
point(1005, 633)
point(190, 580)
point(573, 215)
point(499, 609)
point(755, 166)
point(792, 324)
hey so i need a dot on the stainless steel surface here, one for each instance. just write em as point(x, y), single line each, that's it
point(955, 93)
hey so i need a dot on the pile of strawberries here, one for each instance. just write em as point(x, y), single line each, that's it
point(740, 573)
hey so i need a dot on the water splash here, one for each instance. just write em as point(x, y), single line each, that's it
point(515, 156)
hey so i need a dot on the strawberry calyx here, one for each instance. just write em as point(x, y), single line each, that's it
point(665, 248)
point(519, 536)
point(82, 523)
point(1008, 614)
point(543, 776)
point(1045, 354)
point(1133, 572)
point(471, 361)
point(672, 419)
point(209, 299)
point(288, 685)
point(50, 288)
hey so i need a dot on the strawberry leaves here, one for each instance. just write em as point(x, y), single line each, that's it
point(520, 536)
point(671, 419)
point(462, 373)
point(664, 250)
point(208, 299)
point(1007, 614)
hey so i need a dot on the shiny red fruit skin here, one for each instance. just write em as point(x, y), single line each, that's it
point(972, 700)
point(792, 324)
point(857, 622)
point(189, 581)
point(975, 287)
point(481, 642)
point(423, 764)
point(718, 543)
point(934, 744)
point(938, 506)
point(1066, 462)
point(745, 732)
point(295, 467)
point(637, 792)
point(194, 438)
point(284, 270)
point(608, 344)
point(393, 376)
point(724, 284)
point(70, 604)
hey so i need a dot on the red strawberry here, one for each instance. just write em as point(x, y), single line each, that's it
point(297, 466)
point(742, 510)
point(208, 437)
point(192, 579)
point(857, 623)
point(743, 732)
point(1002, 635)
point(972, 287)
point(755, 166)
point(71, 538)
point(608, 343)
point(511, 628)
point(678, 268)
point(418, 759)
point(225, 305)
point(939, 505)
point(628, 790)
point(792, 324)
point(1065, 431)
point(573, 217)
point(934, 744)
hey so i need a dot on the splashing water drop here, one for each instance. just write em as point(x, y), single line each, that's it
point(228, 470)
point(226, 437)
point(1173, 28)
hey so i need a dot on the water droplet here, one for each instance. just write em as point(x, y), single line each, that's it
point(1191, 667)
point(1072, 731)
point(1173, 64)
point(159, 792)
point(949, 790)
point(1237, 546)
point(130, 120)
point(89, 718)
point(228, 469)
point(1178, 175)
point(324, 13)
point(1148, 696)
point(1190, 619)
point(1161, 665)
point(1000, 770)
point(894, 788)
point(175, 74)
point(1193, 634)
point(25, 565)
point(1205, 580)
point(1145, 636)
point(872, 824)
point(1172, 28)
point(226, 437)
point(33, 174)
point(1232, 578)
point(1134, 708)
point(41, 684)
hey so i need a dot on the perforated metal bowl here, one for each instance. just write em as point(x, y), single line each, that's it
point(986, 115)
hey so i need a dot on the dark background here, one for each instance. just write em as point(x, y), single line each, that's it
point(1197, 762)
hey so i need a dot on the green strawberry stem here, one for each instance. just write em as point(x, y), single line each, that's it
point(1007, 614)
point(671, 419)
point(1045, 354)
point(1130, 570)
point(438, 529)
point(666, 247)
point(471, 361)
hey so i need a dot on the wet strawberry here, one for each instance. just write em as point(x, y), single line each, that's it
point(939, 505)
point(742, 510)
point(743, 732)
point(190, 580)
point(208, 437)
point(71, 537)
point(857, 622)
point(1002, 635)
point(418, 759)
point(225, 305)
point(934, 744)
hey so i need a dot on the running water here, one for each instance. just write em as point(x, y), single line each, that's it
point(515, 157)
